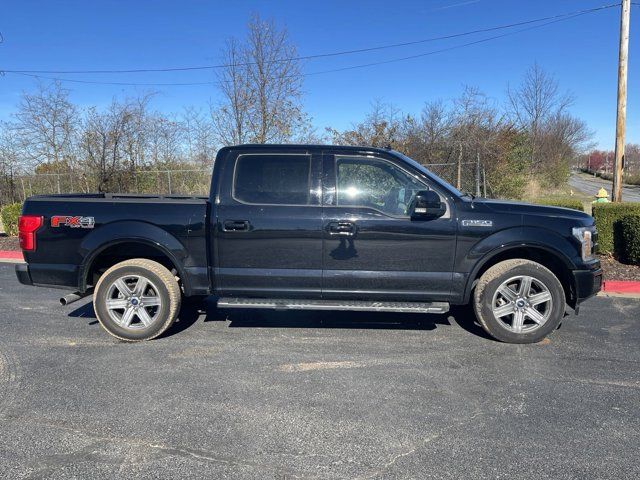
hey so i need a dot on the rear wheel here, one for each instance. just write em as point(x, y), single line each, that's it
point(137, 300)
point(519, 301)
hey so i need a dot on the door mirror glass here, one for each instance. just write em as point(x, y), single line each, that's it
point(426, 205)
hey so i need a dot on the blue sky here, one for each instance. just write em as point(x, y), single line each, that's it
point(110, 34)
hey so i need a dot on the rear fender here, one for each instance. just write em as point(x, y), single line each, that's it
point(126, 232)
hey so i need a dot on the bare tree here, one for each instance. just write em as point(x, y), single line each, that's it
point(46, 122)
point(632, 158)
point(9, 163)
point(104, 141)
point(261, 88)
point(200, 137)
point(136, 134)
point(435, 124)
point(562, 138)
point(231, 116)
point(537, 99)
point(164, 141)
point(533, 103)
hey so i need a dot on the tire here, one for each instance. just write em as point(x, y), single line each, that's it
point(137, 300)
point(519, 301)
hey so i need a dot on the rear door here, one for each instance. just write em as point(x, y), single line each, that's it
point(372, 248)
point(268, 231)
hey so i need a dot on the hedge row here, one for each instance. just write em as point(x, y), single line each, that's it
point(10, 214)
point(572, 203)
point(630, 235)
point(609, 224)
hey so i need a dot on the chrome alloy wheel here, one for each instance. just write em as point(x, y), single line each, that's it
point(133, 302)
point(522, 304)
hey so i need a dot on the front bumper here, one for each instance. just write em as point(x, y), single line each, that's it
point(587, 282)
point(22, 272)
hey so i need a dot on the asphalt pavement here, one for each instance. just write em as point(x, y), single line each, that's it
point(589, 185)
point(260, 394)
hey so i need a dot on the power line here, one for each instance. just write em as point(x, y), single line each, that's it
point(352, 67)
point(123, 84)
point(325, 55)
point(455, 5)
point(433, 52)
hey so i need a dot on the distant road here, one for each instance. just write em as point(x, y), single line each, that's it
point(589, 185)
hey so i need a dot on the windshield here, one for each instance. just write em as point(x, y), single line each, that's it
point(447, 186)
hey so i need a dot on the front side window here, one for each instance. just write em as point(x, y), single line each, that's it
point(366, 182)
point(273, 179)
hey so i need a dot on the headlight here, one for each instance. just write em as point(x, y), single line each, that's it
point(585, 237)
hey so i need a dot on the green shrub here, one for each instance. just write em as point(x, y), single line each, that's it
point(630, 238)
point(555, 174)
point(10, 214)
point(608, 217)
point(568, 202)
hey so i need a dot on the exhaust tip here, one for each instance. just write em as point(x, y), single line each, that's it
point(73, 297)
point(67, 299)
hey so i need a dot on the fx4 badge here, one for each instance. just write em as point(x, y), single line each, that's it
point(73, 222)
point(477, 223)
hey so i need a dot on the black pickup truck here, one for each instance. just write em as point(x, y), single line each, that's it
point(313, 227)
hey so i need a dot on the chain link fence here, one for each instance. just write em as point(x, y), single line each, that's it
point(465, 176)
point(165, 182)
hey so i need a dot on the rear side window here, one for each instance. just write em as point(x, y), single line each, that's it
point(273, 179)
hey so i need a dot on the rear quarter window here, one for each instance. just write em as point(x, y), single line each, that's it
point(272, 179)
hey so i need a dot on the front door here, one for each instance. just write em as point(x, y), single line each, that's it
point(268, 230)
point(372, 248)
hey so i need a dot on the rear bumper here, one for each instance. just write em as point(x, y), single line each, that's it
point(23, 274)
point(587, 282)
point(52, 276)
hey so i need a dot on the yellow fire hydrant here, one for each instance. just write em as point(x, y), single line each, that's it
point(602, 196)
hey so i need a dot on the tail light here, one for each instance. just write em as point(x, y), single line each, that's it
point(27, 226)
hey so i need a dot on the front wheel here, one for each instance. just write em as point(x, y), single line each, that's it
point(137, 300)
point(519, 301)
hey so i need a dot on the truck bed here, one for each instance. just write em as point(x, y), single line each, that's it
point(76, 228)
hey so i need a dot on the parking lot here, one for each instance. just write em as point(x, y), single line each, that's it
point(260, 394)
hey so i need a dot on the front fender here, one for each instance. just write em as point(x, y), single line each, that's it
point(130, 231)
point(509, 239)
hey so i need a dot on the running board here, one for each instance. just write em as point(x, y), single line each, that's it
point(293, 304)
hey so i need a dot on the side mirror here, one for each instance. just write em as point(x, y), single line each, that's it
point(426, 205)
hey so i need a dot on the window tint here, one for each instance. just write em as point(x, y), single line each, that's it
point(272, 179)
point(377, 184)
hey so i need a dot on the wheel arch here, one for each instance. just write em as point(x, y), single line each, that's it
point(109, 246)
point(553, 259)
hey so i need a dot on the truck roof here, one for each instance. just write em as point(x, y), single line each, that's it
point(301, 146)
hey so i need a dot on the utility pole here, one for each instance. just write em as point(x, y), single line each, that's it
point(621, 118)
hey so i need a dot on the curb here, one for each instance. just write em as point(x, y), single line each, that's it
point(11, 256)
point(621, 286)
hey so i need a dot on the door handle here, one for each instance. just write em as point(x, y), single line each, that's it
point(236, 225)
point(347, 229)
